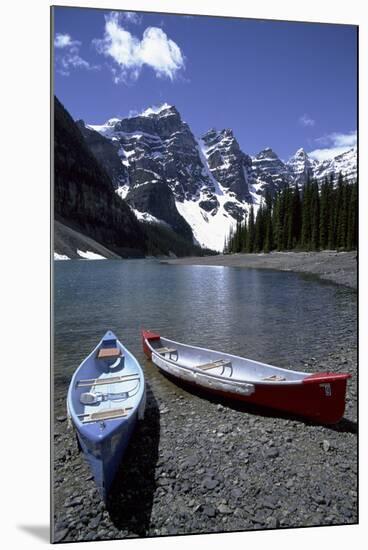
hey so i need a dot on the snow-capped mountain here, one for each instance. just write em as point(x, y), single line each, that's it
point(346, 163)
point(301, 166)
point(270, 172)
point(199, 187)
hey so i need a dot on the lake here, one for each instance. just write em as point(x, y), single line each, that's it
point(276, 317)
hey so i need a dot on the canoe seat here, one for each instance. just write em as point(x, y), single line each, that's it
point(110, 380)
point(108, 353)
point(107, 414)
point(274, 378)
point(214, 364)
point(166, 350)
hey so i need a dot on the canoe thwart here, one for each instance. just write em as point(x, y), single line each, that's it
point(108, 353)
point(109, 380)
point(166, 350)
point(214, 364)
point(108, 414)
point(274, 378)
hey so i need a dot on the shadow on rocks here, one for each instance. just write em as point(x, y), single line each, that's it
point(344, 425)
point(131, 499)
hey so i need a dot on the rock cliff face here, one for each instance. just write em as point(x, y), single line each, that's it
point(106, 152)
point(203, 185)
point(83, 194)
point(228, 164)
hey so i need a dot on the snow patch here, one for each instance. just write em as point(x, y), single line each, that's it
point(122, 191)
point(154, 110)
point(145, 217)
point(60, 256)
point(209, 230)
point(88, 255)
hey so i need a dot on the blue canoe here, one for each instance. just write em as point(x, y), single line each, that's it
point(106, 397)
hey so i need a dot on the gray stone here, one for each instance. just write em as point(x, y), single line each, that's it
point(271, 453)
point(209, 510)
point(210, 483)
point(224, 509)
point(60, 535)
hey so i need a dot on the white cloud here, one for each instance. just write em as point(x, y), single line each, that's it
point(69, 58)
point(65, 41)
point(306, 120)
point(130, 54)
point(335, 144)
point(131, 17)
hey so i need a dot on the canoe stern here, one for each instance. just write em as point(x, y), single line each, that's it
point(148, 336)
point(104, 454)
point(328, 391)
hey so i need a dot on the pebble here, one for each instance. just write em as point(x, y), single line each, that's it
point(209, 511)
point(210, 483)
point(271, 453)
point(60, 535)
point(224, 509)
point(272, 522)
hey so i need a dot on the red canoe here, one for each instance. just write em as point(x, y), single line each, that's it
point(319, 396)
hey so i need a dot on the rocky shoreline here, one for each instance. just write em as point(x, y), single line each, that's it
point(211, 466)
point(337, 267)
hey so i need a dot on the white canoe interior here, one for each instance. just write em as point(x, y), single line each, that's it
point(108, 384)
point(215, 364)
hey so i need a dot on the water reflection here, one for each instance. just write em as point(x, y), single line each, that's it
point(271, 316)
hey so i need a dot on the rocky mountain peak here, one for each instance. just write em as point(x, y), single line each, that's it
point(163, 110)
point(301, 166)
point(269, 172)
point(227, 162)
point(345, 162)
point(112, 122)
point(267, 153)
point(301, 153)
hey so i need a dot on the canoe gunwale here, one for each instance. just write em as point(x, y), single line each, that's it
point(220, 377)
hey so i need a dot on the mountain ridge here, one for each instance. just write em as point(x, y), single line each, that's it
point(212, 183)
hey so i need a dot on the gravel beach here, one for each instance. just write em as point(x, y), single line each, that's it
point(337, 267)
point(211, 466)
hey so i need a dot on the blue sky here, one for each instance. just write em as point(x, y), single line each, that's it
point(276, 84)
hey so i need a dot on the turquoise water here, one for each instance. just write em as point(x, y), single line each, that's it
point(276, 317)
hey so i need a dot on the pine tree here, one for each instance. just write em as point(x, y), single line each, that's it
point(289, 220)
point(251, 231)
point(275, 219)
point(314, 205)
point(352, 222)
point(237, 237)
point(331, 232)
point(259, 230)
point(244, 235)
point(297, 217)
point(338, 208)
point(280, 230)
point(323, 218)
point(306, 217)
point(343, 216)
